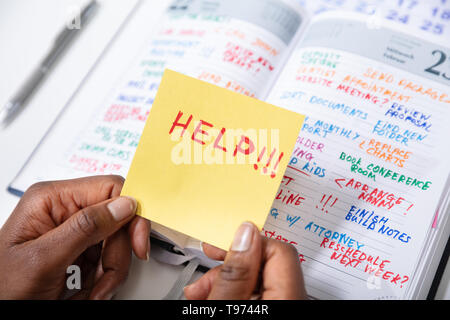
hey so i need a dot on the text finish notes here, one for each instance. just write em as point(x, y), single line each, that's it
point(209, 159)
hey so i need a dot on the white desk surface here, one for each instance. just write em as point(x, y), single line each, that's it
point(27, 28)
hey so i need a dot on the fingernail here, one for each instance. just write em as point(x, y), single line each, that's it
point(243, 237)
point(122, 208)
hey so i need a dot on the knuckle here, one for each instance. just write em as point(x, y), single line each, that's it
point(117, 179)
point(115, 184)
point(284, 248)
point(234, 272)
point(38, 187)
point(37, 194)
point(85, 223)
point(289, 249)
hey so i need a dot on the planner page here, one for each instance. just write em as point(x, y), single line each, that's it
point(364, 181)
point(233, 44)
point(429, 16)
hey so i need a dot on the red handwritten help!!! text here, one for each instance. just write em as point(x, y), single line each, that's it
point(245, 146)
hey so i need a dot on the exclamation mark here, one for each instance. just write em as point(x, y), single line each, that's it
point(326, 202)
point(268, 162)
point(255, 166)
point(317, 207)
point(273, 174)
point(408, 209)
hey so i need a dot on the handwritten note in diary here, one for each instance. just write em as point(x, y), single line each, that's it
point(209, 159)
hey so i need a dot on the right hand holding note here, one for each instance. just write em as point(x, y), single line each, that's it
point(253, 267)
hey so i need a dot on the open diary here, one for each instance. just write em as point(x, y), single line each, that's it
point(365, 195)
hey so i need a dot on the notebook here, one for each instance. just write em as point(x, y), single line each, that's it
point(365, 196)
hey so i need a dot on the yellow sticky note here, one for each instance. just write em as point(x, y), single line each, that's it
point(209, 159)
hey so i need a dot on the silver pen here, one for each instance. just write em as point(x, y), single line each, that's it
point(16, 103)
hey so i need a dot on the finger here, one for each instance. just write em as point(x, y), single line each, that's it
point(238, 276)
point(213, 252)
point(116, 260)
point(50, 203)
point(85, 191)
point(70, 196)
point(200, 289)
point(139, 231)
point(282, 276)
point(87, 227)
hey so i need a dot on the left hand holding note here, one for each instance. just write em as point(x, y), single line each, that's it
point(74, 235)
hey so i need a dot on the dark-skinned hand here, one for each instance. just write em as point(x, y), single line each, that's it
point(79, 222)
point(255, 267)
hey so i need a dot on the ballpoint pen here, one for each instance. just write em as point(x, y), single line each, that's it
point(17, 102)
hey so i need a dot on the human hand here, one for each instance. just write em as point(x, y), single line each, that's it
point(254, 265)
point(79, 222)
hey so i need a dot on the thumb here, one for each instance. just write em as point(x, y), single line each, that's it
point(86, 228)
point(237, 278)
